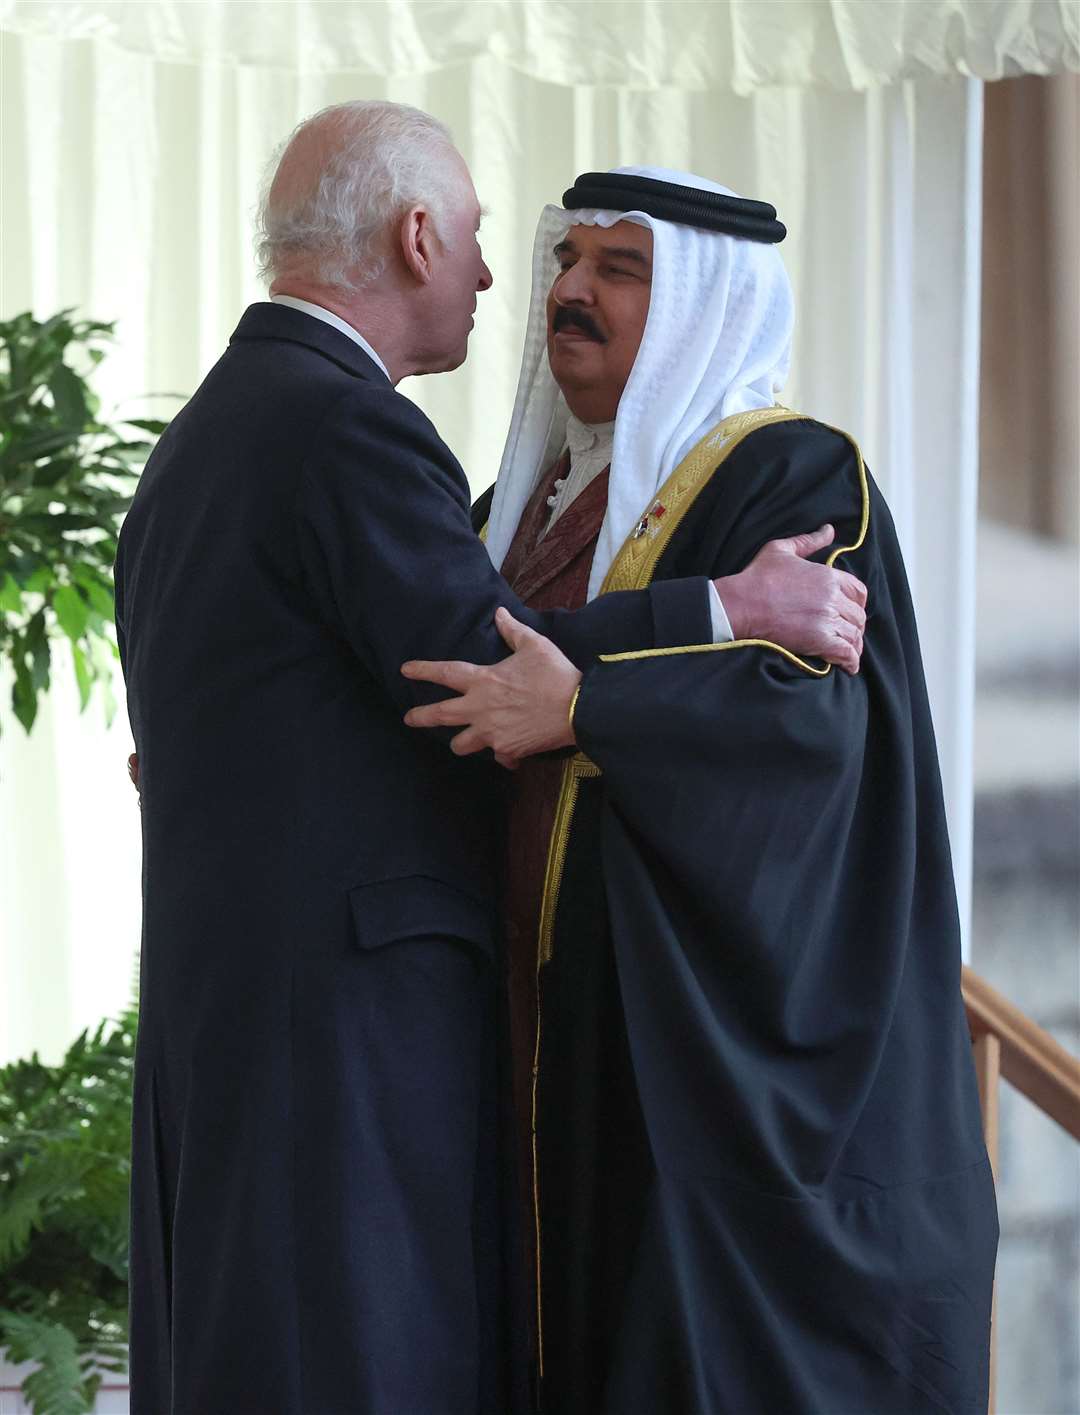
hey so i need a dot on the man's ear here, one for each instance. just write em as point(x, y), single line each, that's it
point(418, 242)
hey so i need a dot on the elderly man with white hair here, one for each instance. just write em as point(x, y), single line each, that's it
point(754, 1173)
point(316, 1177)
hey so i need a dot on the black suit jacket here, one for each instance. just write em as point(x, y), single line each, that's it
point(314, 1191)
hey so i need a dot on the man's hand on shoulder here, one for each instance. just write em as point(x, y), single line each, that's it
point(787, 599)
point(518, 707)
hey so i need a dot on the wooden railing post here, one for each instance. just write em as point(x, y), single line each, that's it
point(1009, 1046)
point(987, 1049)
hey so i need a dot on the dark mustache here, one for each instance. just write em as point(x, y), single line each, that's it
point(567, 317)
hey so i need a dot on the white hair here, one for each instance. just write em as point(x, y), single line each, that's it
point(385, 157)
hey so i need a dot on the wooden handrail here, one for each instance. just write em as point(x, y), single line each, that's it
point(1009, 1044)
point(1027, 1056)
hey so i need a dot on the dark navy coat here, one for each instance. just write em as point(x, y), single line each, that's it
point(315, 1185)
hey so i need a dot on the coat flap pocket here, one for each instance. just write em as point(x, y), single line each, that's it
point(417, 906)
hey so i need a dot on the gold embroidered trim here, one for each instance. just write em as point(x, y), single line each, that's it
point(864, 487)
point(573, 706)
point(719, 648)
point(483, 531)
point(576, 770)
point(633, 567)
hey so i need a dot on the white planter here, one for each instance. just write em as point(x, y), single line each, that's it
point(112, 1398)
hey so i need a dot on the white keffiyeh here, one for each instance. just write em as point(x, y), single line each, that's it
point(717, 341)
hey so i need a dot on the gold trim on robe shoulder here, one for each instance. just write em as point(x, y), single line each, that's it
point(864, 525)
point(636, 562)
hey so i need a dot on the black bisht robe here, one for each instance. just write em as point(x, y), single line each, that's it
point(761, 1183)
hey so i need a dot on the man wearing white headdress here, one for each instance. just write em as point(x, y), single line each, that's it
point(749, 1135)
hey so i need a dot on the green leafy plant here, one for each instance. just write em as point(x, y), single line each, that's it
point(64, 1180)
point(66, 479)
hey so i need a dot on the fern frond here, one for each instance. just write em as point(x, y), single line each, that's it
point(59, 1385)
point(65, 1165)
point(25, 1199)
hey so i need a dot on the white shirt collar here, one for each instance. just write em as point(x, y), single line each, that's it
point(335, 322)
point(589, 445)
point(595, 438)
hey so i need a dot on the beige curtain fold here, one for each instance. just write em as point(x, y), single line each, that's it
point(735, 45)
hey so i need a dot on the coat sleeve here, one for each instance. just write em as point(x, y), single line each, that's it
point(759, 851)
point(389, 552)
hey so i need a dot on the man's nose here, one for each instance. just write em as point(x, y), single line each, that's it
point(573, 287)
point(486, 278)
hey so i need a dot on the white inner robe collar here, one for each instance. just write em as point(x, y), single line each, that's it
point(590, 446)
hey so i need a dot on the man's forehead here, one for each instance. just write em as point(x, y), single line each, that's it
point(625, 234)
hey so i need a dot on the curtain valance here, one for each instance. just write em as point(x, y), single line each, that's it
point(731, 45)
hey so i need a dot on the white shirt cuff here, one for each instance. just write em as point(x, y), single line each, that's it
point(721, 624)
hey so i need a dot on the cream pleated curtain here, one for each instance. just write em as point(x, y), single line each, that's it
point(133, 140)
point(720, 45)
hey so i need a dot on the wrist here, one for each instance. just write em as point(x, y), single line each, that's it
point(730, 589)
